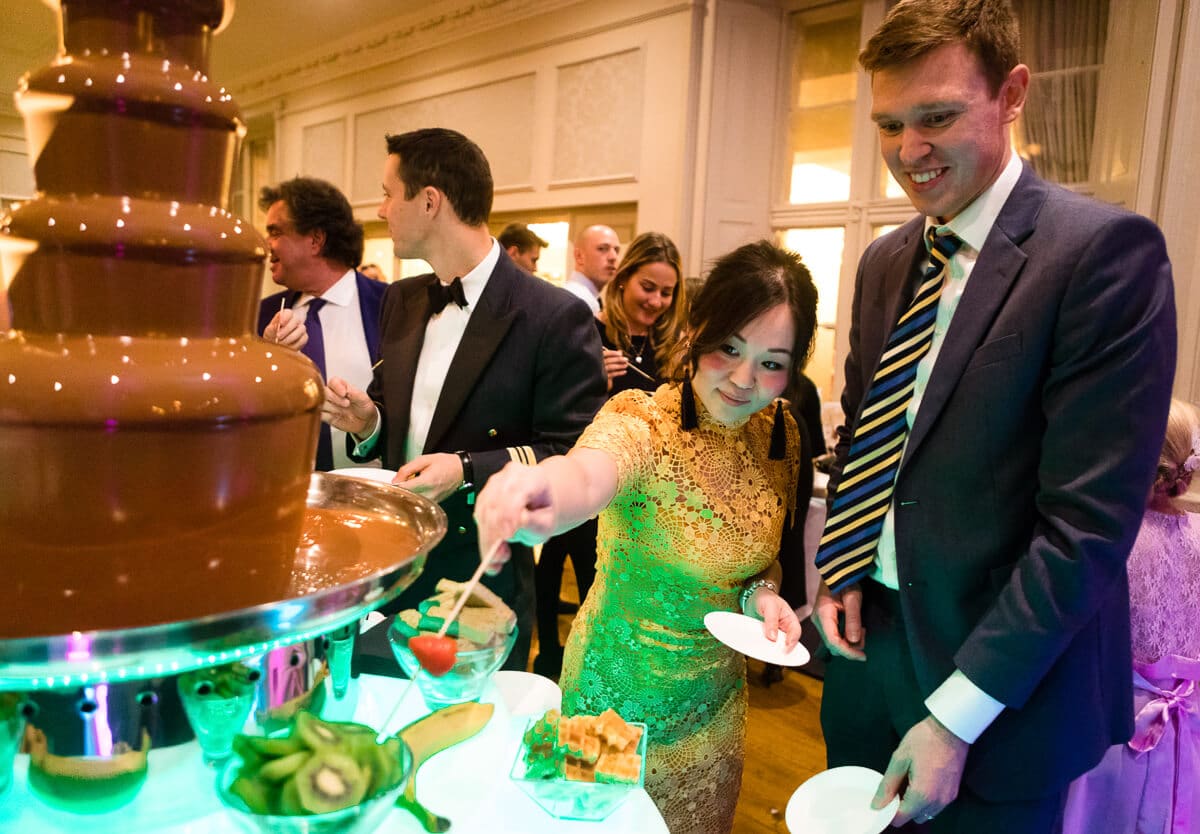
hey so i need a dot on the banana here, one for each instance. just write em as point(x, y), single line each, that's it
point(427, 737)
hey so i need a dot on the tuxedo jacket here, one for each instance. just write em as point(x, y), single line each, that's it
point(1027, 470)
point(370, 302)
point(525, 381)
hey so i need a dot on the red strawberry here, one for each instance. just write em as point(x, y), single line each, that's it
point(435, 654)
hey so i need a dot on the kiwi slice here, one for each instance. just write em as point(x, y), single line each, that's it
point(279, 769)
point(315, 733)
point(267, 748)
point(289, 799)
point(329, 781)
point(256, 794)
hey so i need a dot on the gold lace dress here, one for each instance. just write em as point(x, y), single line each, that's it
point(696, 513)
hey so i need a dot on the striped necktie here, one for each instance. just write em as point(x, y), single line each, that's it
point(864, 493)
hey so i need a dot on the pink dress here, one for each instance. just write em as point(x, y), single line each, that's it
point(1152, 784)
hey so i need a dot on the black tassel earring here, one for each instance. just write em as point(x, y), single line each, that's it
point(778, 450)
point(687, 406)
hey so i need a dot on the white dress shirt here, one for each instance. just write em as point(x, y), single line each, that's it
point(580, 285)
point(442, 336)
point(964, 708)
point(346, 351)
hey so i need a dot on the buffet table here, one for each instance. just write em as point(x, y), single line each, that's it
point(468, 783)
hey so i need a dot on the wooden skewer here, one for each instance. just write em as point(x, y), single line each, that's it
point(282, 306)
point(636, 369)
point(454, 612)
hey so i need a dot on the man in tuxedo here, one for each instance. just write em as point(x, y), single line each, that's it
point(1006, 393)
point(482, 363)
point(315, 243)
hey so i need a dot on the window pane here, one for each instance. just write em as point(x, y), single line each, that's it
point(879, 231)
point(821, 249)
point(822, 111)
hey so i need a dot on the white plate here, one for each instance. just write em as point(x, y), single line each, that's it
point(369, 473)
point(745, 634)
point(525, 693)
point(838, 801)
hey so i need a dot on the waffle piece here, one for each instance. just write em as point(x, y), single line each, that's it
point(621, 768)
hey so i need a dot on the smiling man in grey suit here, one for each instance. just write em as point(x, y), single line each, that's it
point(481, 363)
point(1006, 391)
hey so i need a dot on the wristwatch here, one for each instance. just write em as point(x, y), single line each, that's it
point(468, 479)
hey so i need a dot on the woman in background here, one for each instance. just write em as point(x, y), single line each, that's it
point(1151, 785)
point(642, 313)
point(698, 486)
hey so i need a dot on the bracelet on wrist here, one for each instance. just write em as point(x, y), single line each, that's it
point(468, 478)
point(749, 591)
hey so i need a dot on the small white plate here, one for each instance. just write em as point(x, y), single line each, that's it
point(526, 694)
point(745, 634)
point(838, 801)
point(369, 473)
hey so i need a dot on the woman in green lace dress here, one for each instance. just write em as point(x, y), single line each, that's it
point(696, 486)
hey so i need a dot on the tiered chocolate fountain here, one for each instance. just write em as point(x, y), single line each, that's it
point(158, 509)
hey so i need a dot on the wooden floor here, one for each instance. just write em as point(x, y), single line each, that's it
point(783, 738)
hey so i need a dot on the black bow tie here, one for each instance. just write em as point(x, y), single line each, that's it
point(440, 295)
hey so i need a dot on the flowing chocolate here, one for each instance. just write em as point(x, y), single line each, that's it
point(154, 454)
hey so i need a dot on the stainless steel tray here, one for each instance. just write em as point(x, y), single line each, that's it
point(327, 602)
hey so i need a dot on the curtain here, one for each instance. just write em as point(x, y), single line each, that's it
point(1063, 42)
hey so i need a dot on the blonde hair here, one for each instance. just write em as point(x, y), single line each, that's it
point(646, 248)
point(1180, 456)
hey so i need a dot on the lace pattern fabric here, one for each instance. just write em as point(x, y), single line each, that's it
point(695, 515)
point(1164, 587)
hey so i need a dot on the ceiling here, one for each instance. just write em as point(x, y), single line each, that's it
point(262, 32)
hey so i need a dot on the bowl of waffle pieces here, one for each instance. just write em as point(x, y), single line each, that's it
point(580, 767)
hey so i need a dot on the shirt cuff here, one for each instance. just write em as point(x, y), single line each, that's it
point(365, 446)
point(964, 708)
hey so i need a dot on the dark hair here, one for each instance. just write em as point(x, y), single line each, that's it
point(451, 163)
point(520, 236)
point(741, 286)
point(988, 28)
point(646, 248)
point(316, 205)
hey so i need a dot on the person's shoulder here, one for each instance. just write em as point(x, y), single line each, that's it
point(272, 301)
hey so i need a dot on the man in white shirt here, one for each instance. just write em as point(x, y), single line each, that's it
point(315, 243)
point(482, 363)
point(1007, 387)
point(597, 251)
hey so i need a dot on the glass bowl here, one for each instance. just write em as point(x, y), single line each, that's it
point(467, 678)
point(568, 799)
point(366, 816)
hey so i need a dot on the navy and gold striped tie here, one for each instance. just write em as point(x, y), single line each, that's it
point(864, 493)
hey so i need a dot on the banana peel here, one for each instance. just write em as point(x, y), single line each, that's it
point(428, 736)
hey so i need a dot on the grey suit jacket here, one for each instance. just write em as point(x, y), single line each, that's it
point(1027, 470)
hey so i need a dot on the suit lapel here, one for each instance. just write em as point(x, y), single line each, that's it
point(404, 353)
point(998, 265)
point(486, 328)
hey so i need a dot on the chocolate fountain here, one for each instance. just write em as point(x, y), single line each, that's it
point(159, 510)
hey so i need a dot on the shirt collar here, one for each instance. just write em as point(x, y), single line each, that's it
point(475, 280)
point(583, 281)
point(974, 223)
point(340, 294)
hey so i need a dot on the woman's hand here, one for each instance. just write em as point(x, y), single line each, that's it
point(615, 363)
point(516, 504)
point(777, 616)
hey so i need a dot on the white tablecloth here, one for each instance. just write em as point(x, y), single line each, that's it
point(468, 783)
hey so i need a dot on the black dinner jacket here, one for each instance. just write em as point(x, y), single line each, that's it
point(526, 380)
point(1026, 472)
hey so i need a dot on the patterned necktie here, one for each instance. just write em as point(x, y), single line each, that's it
point(442, 294)
point(864, 493)
point(314, 349)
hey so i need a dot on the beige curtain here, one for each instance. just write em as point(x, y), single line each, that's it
point(1063, 42)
